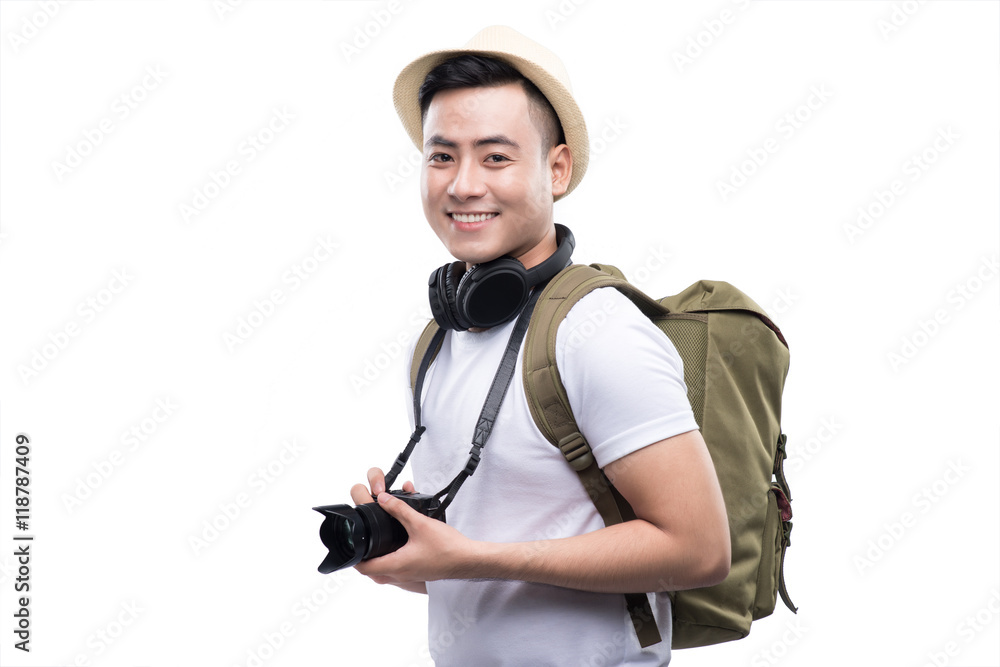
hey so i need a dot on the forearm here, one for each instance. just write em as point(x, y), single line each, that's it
point(634, 556)
point(682, 540)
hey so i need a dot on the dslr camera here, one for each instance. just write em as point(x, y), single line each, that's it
point(354, 534)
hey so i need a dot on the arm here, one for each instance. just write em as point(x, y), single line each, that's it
point(680, 539)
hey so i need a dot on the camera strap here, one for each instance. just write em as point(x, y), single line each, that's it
point(488, 415)
point(494, 399)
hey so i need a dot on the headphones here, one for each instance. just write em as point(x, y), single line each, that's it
point(493, 292)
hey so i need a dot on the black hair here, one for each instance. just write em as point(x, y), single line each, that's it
point(474, 71)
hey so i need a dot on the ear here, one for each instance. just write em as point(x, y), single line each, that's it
point(560, 163)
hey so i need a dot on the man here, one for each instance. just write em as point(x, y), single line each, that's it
point(524, 572)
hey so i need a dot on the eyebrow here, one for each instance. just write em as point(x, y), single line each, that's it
point(438, 140)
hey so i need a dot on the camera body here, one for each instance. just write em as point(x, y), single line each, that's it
point(354, 534)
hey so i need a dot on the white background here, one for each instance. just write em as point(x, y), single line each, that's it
point(869, 433)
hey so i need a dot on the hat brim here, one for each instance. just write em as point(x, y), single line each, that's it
point(407, 87)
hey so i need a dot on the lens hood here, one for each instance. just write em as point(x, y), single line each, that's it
point(354, 534)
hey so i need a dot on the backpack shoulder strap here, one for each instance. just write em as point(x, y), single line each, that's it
point(424, 342)
point(546, 396)
point(553, 415)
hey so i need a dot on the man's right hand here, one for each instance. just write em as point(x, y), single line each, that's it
point(361, 494)
point(376, 485)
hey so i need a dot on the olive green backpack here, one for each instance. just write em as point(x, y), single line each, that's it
point(735, 363)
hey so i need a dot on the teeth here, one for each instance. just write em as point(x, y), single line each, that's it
point(460, 217)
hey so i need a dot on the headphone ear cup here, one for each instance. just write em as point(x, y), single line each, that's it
point(442, 288)
point(491, 293)
point(463, 285)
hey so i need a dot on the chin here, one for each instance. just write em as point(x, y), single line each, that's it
point(473, 254)
point(471, 259)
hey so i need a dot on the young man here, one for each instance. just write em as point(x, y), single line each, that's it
point(524, 572)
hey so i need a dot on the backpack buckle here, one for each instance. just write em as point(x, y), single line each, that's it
point(576, 450)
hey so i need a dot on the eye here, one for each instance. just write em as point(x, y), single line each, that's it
point(497, 159)
point(439, 157)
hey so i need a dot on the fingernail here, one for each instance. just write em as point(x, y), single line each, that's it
point(383, 498)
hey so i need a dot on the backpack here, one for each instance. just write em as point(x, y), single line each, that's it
point(735, 364)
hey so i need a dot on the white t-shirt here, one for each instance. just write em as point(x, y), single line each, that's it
point(625, 383)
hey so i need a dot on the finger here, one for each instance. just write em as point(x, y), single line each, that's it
point(408, 487)
point(360, 494)
point(398, 509)
point(376, 567)
point(376, 481)
point(381, 580)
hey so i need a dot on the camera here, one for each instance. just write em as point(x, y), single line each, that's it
point(354, 534)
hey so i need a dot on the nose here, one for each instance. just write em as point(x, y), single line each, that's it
point(468, 182)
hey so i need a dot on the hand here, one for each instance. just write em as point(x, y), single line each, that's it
point(376, 482)
point(434, 550)
point(361, 495)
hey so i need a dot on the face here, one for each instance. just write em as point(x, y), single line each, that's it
point(487, 186)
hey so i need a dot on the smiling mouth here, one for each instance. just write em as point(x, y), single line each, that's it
point(472, 217)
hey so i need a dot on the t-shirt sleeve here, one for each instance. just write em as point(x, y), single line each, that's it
point(623, 377)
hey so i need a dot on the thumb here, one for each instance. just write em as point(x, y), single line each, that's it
point(397, 509)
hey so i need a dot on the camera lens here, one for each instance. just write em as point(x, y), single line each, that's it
point(343, 537)
point(354, 534)
point(384, 533)
point(343, 533)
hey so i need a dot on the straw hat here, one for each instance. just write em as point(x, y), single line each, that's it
point(539, 65)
